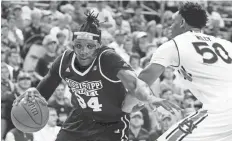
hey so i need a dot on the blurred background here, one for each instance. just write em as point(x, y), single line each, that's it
point(33, 33)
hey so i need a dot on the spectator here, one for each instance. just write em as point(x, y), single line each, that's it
point(4, 56)
point(15, 61)
point(55, 14)
point(7, 98)
point(138, 21)
point(159, 34)
point(128, 45)
point(140, 45)
point(104, 16)
point(67, 9)
point(168, 94)
point(167, 81)
point(44, 63)
point(46, 24)
point(167, 19)
point(166, 123)
point(60, 103)
point(215, 19)
point(28, 9)
point(188, 103)
point(35, 27)
point(15, 35)
point(61, 47)
point(135, 63)
point(78, 14)
point(136, 132)
point(4, 34)
point(122, 24)
point(17, 12)
point(106, 38)
point(17, 135)
point(50, 131)
point(5, 10)
point(23, 83)
point(63, 27)
point(117, 45)
point(151, 31)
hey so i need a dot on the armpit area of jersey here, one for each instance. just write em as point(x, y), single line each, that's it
point(111, 63)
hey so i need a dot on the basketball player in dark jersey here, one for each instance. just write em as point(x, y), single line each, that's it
point(100, 83)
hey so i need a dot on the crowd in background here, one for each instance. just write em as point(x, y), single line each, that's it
point(33, 34)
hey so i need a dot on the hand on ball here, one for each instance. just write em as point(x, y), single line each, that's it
point(29, 96)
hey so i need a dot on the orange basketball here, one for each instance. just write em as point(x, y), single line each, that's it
point(30, 117)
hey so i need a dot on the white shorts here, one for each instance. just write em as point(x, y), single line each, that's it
point(201, 126)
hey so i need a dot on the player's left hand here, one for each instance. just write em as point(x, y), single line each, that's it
point(159, 102)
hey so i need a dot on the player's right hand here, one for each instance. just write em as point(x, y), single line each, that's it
point(29, 96)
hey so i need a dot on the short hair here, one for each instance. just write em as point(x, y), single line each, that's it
point(194, 14)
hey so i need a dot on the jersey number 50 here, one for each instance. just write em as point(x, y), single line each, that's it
point(219, 51)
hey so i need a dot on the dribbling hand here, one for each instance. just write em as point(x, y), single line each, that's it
point(29, 96)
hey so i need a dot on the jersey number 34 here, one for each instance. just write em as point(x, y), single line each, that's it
point(93, 103)
point(219, 51)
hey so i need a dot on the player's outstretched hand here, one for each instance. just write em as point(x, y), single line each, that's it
point(30, 95)
point(157, 102)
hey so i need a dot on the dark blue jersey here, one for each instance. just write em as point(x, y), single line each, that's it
point(96, 90)
point(97, 93)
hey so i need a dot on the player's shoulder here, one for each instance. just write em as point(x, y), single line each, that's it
point(67, 54)
point(168, 44)
point(223, 41)
point(106, 52)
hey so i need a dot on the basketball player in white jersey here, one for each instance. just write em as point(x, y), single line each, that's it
point(205, 64)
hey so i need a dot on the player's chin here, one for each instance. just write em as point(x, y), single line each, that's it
point(85, 62)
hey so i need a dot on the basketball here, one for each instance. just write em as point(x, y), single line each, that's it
point(29, 117)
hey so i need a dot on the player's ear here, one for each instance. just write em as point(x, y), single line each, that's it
point(182, 23)
point(98, 45)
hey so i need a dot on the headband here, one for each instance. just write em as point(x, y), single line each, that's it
point(86, 35)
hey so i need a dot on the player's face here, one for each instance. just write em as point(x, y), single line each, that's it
point(177, 26)
point(85, 50)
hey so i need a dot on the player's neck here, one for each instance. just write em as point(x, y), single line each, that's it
point(195, 30)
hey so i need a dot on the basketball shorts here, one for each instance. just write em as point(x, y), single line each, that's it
point(201, 126)
point(97, 131)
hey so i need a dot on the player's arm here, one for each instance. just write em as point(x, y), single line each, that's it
point(46, 87)
point(115, 68)
point(166, 55)
point(138, 91)
point(49, 83)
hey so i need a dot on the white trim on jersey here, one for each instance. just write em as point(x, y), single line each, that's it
point(78, 72)
point(113, 81)
point(125, 126)
point(61, 63)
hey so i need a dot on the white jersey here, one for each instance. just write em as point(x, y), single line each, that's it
point(205, 64)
